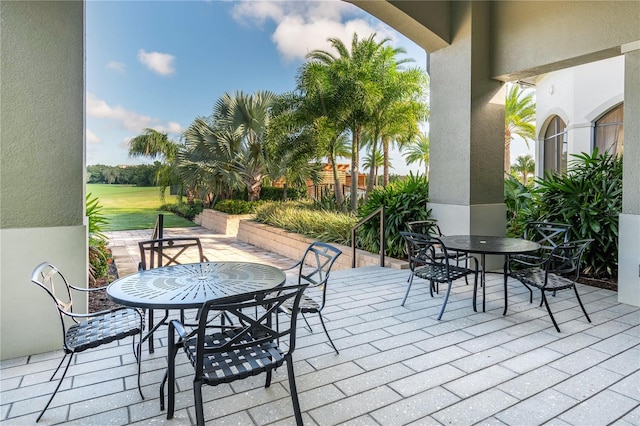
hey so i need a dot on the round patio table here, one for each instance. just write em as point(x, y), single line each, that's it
point(485, 244)
point(189, 286)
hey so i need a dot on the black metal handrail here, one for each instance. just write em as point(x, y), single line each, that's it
point(382, 232)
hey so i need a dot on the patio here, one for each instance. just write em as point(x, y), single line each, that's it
point(397, 365)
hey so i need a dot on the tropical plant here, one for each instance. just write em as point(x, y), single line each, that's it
point(417, 151)
point(157, 145)
point(98, 253)
point(524, 167)
point(404, 201)
point(517, 198)
point(589, 197)
point(519, 119)
point(373, 161)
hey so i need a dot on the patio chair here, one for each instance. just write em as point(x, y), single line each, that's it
point(165, 252)
point(426, 262)
point(314, 268)
point(249, 347)
point(430, 227)
point(559, 271)
point(85, 331)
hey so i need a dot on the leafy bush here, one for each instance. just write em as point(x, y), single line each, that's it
point(404, 201)
point(98, 252)
point(302, 218)
point(186, 210)
point(237, 206)
point(271, 193)
point(517, 198)
point(589, 197)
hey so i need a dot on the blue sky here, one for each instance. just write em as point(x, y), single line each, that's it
point(161, 64)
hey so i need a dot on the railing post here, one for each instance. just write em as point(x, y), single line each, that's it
point(382, 239)
point(353, 247)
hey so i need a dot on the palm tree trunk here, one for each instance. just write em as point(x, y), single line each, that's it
point(337, 185)
point(385, 168)
point(372, 168)
point(355, 160)
point(507, 150)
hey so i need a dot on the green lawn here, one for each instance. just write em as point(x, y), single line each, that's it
point(132, 207)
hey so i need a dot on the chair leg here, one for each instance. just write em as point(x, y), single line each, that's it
point(139, 361)
point(197, 396)
point(267, 382)
point(57, 387)
point(61, 361)
point(294, 391)
point(406, 294)
point(446, 297)
point(307, 322)
point(546, 303)
point(150, 335)
point(327, 333)
point(580, 302)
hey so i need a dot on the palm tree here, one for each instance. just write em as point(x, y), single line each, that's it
point(153, 144)
point(519, 119)
point(242, 120)
point(418, 151)
point(355, 89)
point(524, 166)
point(373, 161)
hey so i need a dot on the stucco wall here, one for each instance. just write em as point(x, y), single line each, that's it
point(41, 166)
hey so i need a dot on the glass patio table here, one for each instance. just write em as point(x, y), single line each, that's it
point(188, 286)
point(483, 245)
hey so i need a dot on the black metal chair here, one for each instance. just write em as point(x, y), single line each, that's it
point(165, 252)
point(86, 331)
point(314, 268)
point(249, 347)
point(558, 271)
point(430, 227)
point(548, 235)
point(429, 259)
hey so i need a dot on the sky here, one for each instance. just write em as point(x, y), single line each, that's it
point(161, 64)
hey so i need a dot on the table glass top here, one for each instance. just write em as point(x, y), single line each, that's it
point(190, 285)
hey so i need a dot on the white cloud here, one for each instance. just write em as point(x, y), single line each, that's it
point(129, 120)
point(302, 26)
point(161, 63)
point(116, 66)
point(92, 138)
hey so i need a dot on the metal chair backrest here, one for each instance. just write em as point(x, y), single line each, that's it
point(316, 263)
point(248, 331)
point(428, 227)
point(547, 234)
point(170, 251)
point(565, 259)
point(424, 249)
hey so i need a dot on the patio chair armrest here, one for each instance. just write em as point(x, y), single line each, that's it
point(292, 266)
point(179, 328)
point(104, 287)
point(98, 313)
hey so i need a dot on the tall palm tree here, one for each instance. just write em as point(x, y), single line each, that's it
point(524, 166)
point(373, 161)
point(519, 119)
point(353, 80)
point(418, 151)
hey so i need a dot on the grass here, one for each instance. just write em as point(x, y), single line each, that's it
point(131, 207)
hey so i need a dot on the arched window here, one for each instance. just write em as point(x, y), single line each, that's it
point(555, 146)
point(609, 131)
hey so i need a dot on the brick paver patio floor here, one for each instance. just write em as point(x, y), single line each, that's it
point(397, 365)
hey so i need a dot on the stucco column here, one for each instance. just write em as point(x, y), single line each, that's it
point(41, 167)
point(467, 129)
point(629, 227)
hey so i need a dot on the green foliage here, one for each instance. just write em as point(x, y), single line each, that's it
point(271, 193)
point(237, 206)
point(404, 201)
point(302, 218)
point(186, 210)
point(138, 175)
point(98, 253)
point(589, 197)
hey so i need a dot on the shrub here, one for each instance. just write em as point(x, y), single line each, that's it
point(98, 252)
point(589, 197)
point(517, 198)
point(404, 201)
point(237, 206)
point(302, 218)
point(271, 193)
point(186, 210)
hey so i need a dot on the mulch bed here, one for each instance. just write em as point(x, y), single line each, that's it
point(98, 300)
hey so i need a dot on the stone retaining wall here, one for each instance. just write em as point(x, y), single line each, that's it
point(282, 242)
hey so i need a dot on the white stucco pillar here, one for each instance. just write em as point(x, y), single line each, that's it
point(466, 187)
point(629, 227)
